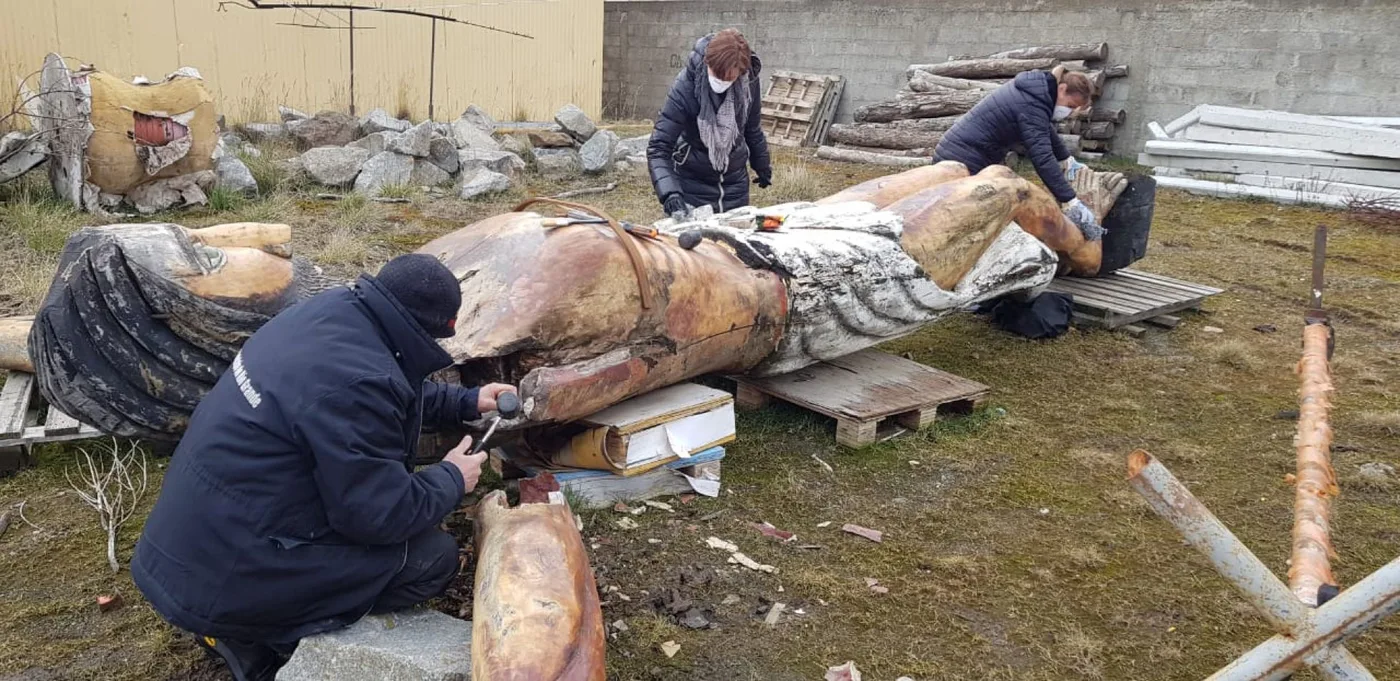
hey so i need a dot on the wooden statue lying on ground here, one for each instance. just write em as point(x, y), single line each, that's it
point(142, 319)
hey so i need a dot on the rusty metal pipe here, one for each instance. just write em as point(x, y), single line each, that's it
point(1352, 612)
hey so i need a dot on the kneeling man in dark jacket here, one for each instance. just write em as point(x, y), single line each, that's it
point(291, 506)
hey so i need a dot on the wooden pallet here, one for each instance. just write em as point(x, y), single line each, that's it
point(25, 420)
point(872, 395)
point(799, 107)
point(602, 489)
point(1123, 298)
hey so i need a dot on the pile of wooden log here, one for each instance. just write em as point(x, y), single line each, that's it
point(1278, 156)
point(937, 95)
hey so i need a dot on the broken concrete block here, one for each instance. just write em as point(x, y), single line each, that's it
point(415, 142)
point(557, 162)
point(417, 645)
point(427, 173)
point(482, 120)
point(171, 192)
point(20, 153)
point(632, 146)
point(379, 120)
point(289, 114)
point(325, 129)
point(597, 153)
point(385, 169)
point(551, 140)
point(466, 135)
point(443, 152)
point(482, 181)
point(334, 166)
point(233, 175)
point(515, 144)
point(502, 162)
point(575, 122)
point(375, 142)
point(258, 133)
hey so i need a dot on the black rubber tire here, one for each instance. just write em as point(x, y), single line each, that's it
point(1129, 224)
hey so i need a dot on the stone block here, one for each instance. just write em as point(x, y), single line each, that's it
point(412, 645)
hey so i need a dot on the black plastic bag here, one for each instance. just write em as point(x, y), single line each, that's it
point(1046, 316)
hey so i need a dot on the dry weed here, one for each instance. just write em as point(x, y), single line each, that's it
point(1235, 354)
point(1381, 422)
point(1087, 557)
point(344, 247)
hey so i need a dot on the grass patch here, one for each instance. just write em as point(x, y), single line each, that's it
point(1235, 354)
point(344, 247)
point(791, 182)
point(222, 199)
point(1380, 422)
point(398, 191)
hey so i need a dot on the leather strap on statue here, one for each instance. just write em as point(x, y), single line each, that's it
point(632, 252)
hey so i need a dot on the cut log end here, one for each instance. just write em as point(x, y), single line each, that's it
point(1137, 461)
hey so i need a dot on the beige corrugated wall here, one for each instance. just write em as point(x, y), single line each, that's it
point(253, 62)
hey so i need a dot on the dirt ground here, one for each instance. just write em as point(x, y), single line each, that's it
point(1013, 548)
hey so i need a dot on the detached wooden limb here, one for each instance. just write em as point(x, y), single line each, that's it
point(14, 344)
point(920, 105)
point(586, 191)
point(1316, 482)
point(1089, 51)
point(985, 68)
point(882, 135)
point(536, 614)
point(851, 156)
point(923, 81)
point(926, 152)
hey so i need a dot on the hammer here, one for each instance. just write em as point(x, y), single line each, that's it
point(507, 407)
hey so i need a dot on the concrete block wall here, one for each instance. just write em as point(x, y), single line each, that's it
point(1323, 56)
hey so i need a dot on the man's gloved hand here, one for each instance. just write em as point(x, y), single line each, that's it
point(469, 465)
point(676, 208)
point(1080, 215)
point(1072, 168)
point(486, 397)
point(765, 180)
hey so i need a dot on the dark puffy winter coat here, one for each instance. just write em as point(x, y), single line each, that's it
point(288, 505)
point(680, 163)
point(1018, 111)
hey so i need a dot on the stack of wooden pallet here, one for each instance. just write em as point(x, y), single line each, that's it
point(1278, 156)
point(937, 95)
point(799, 107)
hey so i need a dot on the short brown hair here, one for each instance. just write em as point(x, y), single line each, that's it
point(1075, 83)
point(728, 54)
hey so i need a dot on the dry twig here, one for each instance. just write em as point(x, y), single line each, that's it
point(112, 484)
point(1381, 212)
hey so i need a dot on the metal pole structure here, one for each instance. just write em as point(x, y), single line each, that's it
point(432, 70)
point(1261, 587)
point(1352, 612)
point(352, 62)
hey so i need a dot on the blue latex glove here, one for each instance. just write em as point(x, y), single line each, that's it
point(1082, 217)
point(1072, 168)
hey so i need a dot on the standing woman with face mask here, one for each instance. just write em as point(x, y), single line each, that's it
point(708, 133)
point(1025, 110)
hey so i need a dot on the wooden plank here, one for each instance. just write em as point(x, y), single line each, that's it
point(749, 397)
point(1380, 121)
point(59, 423)
point(600, 489)
point(773, 101)
point(1373, 178)
point(856, 434)
point(1255, 138)
point(799, 116)
point(1244, 191)
point(14, 403)
point(658, 406)
point(1128, 302)
point(1168, 291)
point(867, 385)
point(1169, 281)
point(1384, 141)
point(1165, 321)
point(1318, 186)
point(1244, 152)
point(1145, 290)
point(1090, 298)
point(1115, 290)
point(1181, 122)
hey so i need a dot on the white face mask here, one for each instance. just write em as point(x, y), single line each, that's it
point(1061, 113)
point(719, 86)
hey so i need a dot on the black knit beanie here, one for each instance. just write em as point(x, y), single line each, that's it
point(427, 288)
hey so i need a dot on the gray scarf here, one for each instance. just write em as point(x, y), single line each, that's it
point(719, 128)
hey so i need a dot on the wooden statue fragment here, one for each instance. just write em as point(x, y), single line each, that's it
point(536, 615)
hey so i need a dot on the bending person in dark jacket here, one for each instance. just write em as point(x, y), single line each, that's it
point(708, 133)
point(291, 506)
point(1025, 110)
